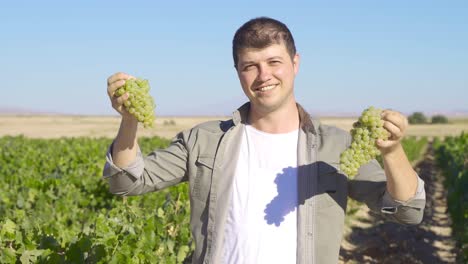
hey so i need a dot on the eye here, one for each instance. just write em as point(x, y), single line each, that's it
point(275, 62)
point(248, 67)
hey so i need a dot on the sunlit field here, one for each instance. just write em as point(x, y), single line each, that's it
point(55, 207)
point(167, 127)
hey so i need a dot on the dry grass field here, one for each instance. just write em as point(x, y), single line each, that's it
point(56, 126)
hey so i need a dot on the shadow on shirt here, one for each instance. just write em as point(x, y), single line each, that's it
point(329, 180)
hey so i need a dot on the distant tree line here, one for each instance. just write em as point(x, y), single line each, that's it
point(420, 118)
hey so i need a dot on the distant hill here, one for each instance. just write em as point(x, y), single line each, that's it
point(452, 114)
point(7, 110)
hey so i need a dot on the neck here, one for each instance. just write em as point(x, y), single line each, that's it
point(283, 120)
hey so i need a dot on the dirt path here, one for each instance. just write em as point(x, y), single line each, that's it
point(371, 240)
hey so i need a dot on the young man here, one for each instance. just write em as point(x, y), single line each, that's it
point(265, 185)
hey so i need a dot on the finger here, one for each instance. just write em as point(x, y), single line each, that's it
point(388, 112)
point(121, 99)
point(118, 76)
point(384, 143)
point(395, 132)
point(111, 88)
point(396, 118)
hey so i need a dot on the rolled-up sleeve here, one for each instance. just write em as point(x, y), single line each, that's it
point(406, 212)
point(160, 169)
point(370, 187)
point(120, 179)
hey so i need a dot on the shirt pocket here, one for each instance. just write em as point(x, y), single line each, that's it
point(331, 187)
point(202, 182)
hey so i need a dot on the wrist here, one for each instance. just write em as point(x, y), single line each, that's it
point(129, 121)
point(127, 133)
point(392, 150)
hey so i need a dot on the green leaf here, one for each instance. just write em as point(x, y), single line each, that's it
point(160, 212)
point(30, 256)
point(8, 255)
point(8, 227)
point(98, 253)
point(170, 245)
point(74, 254)
point(49, 242)
point(84, 244)
point(182, 254)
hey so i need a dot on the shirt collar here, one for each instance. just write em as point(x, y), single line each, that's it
point(306, 122)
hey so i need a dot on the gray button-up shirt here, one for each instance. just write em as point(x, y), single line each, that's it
point(206, 157)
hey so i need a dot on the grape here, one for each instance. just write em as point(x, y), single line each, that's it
point(139, 103)
point(365, 132)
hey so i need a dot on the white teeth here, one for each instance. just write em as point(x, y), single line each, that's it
point(266, 88)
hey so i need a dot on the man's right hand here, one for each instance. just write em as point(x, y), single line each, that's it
point(114, 82)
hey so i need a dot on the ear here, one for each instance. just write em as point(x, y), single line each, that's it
point(296, 61)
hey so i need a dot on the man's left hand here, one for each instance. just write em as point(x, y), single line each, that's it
point(395, 123)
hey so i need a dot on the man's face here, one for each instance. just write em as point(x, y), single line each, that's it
point(267, 76)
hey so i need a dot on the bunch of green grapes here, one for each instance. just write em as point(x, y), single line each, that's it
point(363, 149)
point(139, 103)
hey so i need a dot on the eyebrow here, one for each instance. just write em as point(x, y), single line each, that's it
point(275, 58)
point(268, 59)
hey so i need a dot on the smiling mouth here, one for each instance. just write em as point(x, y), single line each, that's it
point(266, 88)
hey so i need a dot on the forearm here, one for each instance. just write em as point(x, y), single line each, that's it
point(402, 180)
point(125, 144)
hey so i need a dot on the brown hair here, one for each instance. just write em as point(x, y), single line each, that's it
point(260, 33)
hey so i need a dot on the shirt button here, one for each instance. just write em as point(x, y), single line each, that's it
point(313, 145)
point(309, 233)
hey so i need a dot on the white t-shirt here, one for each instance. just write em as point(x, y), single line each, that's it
point(262, 219)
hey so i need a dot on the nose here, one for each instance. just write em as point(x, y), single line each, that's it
point(264, 73)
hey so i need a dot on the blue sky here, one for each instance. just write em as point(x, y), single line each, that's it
point(404, 55)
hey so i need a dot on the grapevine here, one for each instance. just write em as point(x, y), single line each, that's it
point(363, 149)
